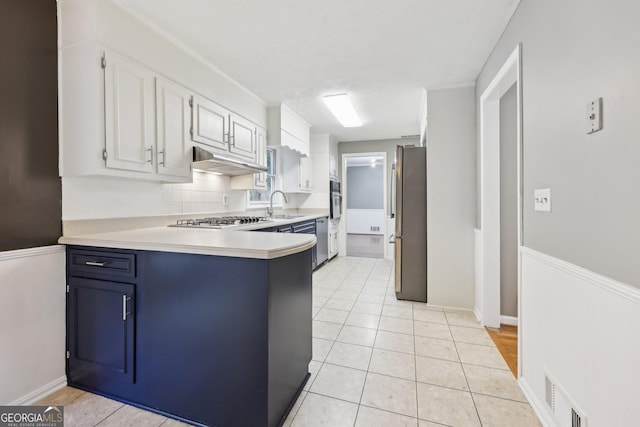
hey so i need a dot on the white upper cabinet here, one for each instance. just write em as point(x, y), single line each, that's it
point(295, 171)
point(287, 129)
point(261, 157)
point(147, 121)
point(333, 167)
point(257, 181)
point(306, 174)
point(109, 124)
point(129, 115)
point(173, 118)
point(217, 128)
point(115, 120)
point(242, 138)
point(210, 125)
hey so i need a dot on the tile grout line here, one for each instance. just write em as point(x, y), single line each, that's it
point(105, 418)
point(330, 349)
point(343, 324)
point(465, 377)
point(364, 384)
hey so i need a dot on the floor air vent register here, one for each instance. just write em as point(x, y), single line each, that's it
point(564, 411)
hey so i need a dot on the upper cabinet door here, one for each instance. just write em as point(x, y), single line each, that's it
point(305, 174)
point(261, 157)
point(210, 123)
point(129, 114)
point(243, 138)
point(173, 122)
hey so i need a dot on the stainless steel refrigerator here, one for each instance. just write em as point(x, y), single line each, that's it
point(409, 191)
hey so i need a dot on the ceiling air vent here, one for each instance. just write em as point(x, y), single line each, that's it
point(564, 411)
point(409, 136)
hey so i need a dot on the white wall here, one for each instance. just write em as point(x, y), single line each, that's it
point(586, 336)
point(451, 196)
point(560, 76)
point(32, 323)
point(361, 221)
point(106, 197)
point(584, 329)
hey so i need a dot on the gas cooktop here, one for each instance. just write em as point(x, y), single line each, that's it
point(218, 222)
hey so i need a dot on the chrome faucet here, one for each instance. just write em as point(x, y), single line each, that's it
point(270, 210)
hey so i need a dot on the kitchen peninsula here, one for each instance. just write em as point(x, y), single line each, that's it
point(209, 326)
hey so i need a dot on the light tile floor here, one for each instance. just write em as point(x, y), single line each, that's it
point(376, 362)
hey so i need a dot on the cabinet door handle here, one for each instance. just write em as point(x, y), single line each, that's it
point(163, 157)
point(95, 263)
point(125, 313)
point(150, 150)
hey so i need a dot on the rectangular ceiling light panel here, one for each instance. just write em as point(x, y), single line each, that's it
point(342, 108)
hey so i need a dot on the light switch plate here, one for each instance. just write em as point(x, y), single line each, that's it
point(594, 116)
point(542, 199)
point(225, 200)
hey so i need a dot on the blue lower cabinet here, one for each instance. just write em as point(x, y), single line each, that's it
point(216, 341)
point(101, 336)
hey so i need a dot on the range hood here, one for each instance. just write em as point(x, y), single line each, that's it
point(208, 161)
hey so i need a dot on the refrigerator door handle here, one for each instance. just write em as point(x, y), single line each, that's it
point(393, 237)
point(392, 198)
point(398, 212)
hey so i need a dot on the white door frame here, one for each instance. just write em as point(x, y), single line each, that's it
point(489, 286)
point(342, 229)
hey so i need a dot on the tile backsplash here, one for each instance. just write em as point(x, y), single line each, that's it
point(106, 197)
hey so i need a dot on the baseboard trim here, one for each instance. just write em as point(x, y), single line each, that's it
point(509, 320)
point(538, 406)
point(25, 253)
point(41, 392)
point(619, 288)
point(448, 308)
point(476, 313)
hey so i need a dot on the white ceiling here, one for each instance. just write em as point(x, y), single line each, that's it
point(381, 52)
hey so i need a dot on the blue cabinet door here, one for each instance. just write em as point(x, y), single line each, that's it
point(101, 329)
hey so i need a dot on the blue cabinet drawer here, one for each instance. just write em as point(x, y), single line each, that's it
point(94, 262)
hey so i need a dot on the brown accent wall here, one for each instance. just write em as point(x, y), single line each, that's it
point(30, 189)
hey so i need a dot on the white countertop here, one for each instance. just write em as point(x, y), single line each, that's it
point(234, 241)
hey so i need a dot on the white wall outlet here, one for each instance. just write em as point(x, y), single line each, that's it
point(594, 116)
point(542, 199)
point(225, 199)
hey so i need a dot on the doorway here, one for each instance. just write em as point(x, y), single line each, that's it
point(498, 297)
point(365, 207)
